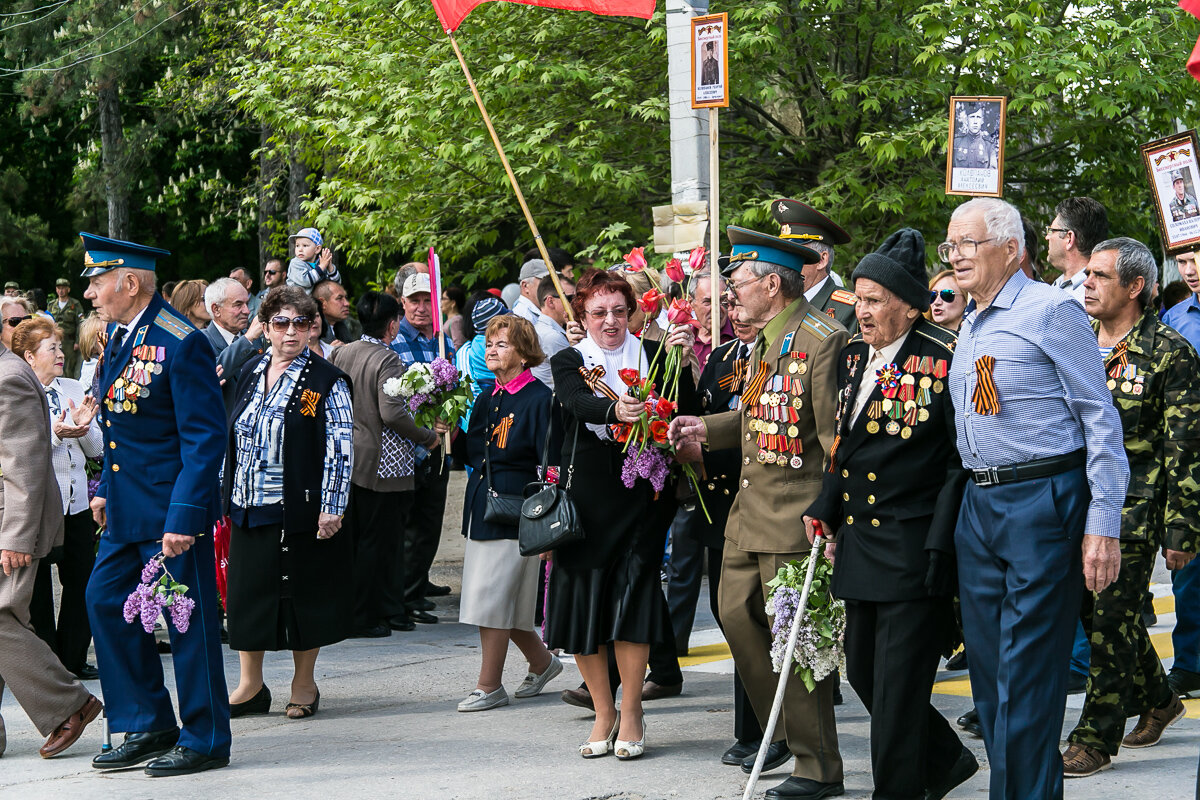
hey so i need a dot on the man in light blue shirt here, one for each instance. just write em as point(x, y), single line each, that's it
point(1037, 427)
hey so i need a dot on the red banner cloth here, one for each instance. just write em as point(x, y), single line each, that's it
point(452, 12)
point(1193, 63)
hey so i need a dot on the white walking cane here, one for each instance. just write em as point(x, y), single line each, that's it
point(786, 671)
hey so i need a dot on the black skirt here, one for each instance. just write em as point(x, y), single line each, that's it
point(288, 592)
point(607, 587)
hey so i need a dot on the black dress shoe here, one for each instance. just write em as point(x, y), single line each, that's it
point(86, 673)
point(795, 788)
point(183, 761)
point(777, 755)
point(739, 752)
point(259, 704)
point(422, 605)
point(969, 722)
point(136, 748)
point(1076, 683)
point(837, 697)
point(163, 647)
point(404, 623)
point(433, 590)
point(378, 631)
point(960, 773)
point(423, 617)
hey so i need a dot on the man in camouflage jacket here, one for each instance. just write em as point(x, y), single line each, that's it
point(1154, 376)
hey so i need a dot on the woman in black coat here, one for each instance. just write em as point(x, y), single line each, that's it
point(505, 435)
point(605, 590)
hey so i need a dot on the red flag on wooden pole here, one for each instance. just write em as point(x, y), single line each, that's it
point(1193, 63)
point(452, 12)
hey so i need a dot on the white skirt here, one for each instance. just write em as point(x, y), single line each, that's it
point(499, 585)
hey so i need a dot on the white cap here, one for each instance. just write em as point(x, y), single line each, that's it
point(417, 282)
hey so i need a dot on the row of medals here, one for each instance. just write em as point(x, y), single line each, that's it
point(893, 427)
point(126, 391)
point(778, 403)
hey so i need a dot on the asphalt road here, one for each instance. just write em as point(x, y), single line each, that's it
point(387, 728)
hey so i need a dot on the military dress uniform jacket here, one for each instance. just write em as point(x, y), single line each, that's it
point(838, 303)
point(1154, 376)
point(164, 429)
point(720, 385)
point(896, 479)
point(785, 428)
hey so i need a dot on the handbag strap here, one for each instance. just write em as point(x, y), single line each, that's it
point(546, 449)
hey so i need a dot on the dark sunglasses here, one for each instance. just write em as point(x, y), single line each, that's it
point(281, 324)
point(13, 322)
point(270, 272)
point(947, 295)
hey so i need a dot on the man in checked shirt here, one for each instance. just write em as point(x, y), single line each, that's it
point(1038, 429)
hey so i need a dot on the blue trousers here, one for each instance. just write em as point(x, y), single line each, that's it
point(131, 673)
point(1185, 585)
point(1020, 583)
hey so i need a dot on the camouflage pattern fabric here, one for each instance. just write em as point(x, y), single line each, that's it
point(1126, 677)
point(1155, 381)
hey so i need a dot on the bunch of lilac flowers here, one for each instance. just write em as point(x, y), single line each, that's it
point(433, 391)
point(819, 643)
point(445, 374)
point(649, 463)
point(156, 592)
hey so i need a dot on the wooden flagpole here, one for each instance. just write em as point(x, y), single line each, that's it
point(512, 178)
point(714, 226)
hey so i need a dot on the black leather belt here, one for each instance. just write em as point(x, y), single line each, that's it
point(1038, 468)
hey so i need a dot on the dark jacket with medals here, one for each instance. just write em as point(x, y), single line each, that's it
point(896, 481)
point(837, 303)
point(720, 389)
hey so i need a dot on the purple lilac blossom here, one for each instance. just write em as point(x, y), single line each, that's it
point(181, 612)
point(150, 570)
point(416, 401)
point(445, 376)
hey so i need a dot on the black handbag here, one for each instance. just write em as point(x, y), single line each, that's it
point(498, 509)
point(548, 516)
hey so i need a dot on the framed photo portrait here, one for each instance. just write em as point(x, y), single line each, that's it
point(975, 157)
point(710, 61)
point(1171, 169)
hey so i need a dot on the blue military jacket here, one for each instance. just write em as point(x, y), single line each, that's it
point(164, 429)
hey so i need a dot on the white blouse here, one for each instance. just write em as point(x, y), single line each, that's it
point(69, 455)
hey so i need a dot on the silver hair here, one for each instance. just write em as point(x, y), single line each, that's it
point(218, 291)
point(700, 276)
point(145, 278)
point(6, 301)
point(1134, 260)
point(403, 274)
point(791, 282)
point(1002, 220)
point(819, 248)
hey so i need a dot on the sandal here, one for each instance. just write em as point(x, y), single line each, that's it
point(602, 747)
point(303, 710)
point(628, 751)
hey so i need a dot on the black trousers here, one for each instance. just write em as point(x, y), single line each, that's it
point(72, 635)
point(891, 660)
point(423, 528)
point(745, 724)
point(378, 550)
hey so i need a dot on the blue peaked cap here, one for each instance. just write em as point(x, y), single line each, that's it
point(101, 254)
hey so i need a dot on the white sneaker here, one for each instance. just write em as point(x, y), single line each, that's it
point(479, 700)
point(533, 684)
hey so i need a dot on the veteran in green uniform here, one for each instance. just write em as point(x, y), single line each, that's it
point(807, 226)
point(67, 311)
point(785, 428)
point(1154, 376)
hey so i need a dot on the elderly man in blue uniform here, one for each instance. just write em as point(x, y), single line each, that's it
point(1042, 439)
point(164, 431)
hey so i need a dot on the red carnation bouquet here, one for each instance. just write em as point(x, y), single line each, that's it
point(648, 453)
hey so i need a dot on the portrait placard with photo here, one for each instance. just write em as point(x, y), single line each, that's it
point(975, 157)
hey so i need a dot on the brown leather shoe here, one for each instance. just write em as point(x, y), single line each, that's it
point(1081, 761)
point(1151, 725)
point(656, 691)
point(69, 731)
point(580, 697)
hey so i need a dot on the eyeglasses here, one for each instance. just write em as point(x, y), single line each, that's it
point(734, 288)
point(569, 297)
point(947, 295)
point(13, 322)
point(602, 313)
point(281, 324)
point(1050, 230)
point(965, 247)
